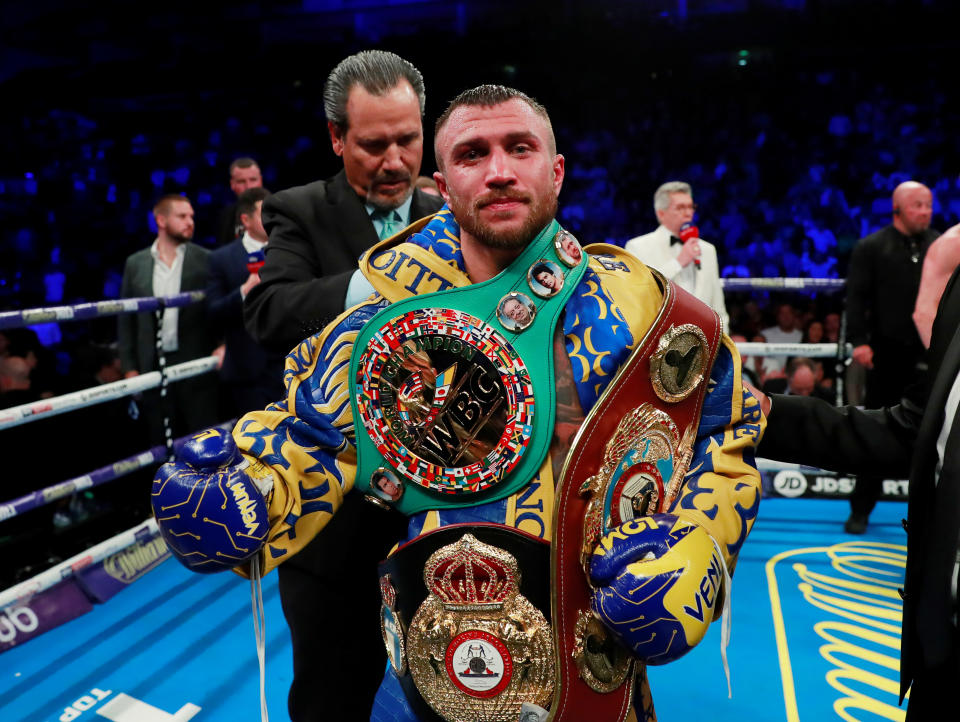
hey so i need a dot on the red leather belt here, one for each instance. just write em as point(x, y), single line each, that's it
point(574, 699)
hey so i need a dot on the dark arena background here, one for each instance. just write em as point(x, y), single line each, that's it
point(793, 120)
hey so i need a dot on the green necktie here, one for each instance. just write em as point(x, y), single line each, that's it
point(390, 223)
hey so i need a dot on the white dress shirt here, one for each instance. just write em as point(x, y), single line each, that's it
point(656, 251)
point(166, 282)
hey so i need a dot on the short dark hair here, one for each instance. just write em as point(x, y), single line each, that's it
point(244, 162)
point(377, 71)
point(247, 201)
point(542, 268)
point(488, 96)
point(162, 206)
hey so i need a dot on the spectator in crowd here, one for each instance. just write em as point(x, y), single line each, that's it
point(44, 380)
point(748, 363)
point(831, 328)
point(692, 265)
point(15, 382)
point(786, 331)
point(882, 287)
point(170, 265)
point(244, 174)
point(801, 380)
point(757, 364)
point(374, 104)
point(813, 333)
point(251, 376)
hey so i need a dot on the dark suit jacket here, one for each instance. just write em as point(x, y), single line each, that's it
point(137, 333)
point(245, 361)
point(895, 442)
point(317, 233)
point(227, 224)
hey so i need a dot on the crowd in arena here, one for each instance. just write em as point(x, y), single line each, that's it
point(785, 185)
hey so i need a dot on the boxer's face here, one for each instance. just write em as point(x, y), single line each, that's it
point(501, 176)
point(383, 144)
point(517, 311)
point(547, 280)
point(571, 248)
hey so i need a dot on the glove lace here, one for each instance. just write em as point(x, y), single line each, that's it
point(725, 618)
point(259, 631)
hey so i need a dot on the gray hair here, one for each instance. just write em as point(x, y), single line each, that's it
point(661, 199)
point(377, 71)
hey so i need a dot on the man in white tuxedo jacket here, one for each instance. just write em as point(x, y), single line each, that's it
point(692, 265)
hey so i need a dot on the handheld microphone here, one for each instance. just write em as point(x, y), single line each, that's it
point(687, 232)
point(255, 261)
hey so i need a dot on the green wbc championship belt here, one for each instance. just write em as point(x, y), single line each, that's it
point(453, 392)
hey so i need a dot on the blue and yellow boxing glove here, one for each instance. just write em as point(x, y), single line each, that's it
point(658, 582)
point(210, 503)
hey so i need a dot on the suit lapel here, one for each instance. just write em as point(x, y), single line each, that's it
point(356, 228)
point(421, 206)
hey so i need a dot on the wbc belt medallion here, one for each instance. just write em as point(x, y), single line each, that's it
point(445, 399)
point(478, 649)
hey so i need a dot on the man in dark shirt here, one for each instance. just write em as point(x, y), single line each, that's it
point(882, 286)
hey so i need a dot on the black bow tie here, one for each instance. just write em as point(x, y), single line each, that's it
point(674, 240)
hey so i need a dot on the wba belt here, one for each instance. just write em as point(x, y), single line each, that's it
point(453, 391)
point(465, 622)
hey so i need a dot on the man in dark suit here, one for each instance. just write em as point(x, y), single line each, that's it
point(244, 174)
point(251, 376)
point(374, 104)
point(920, 437)
point(882, 285)
point(170, 265)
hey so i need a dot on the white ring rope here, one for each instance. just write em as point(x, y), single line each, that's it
point(17, 415)
point(783, 284)
point(98, 309)
point(20, 593)
point(25, 413)
point(810, 350)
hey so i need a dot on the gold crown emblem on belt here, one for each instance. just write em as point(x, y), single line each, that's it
point(477, 648)
point(471, 574)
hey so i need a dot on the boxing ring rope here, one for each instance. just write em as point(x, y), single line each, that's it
point(45, 408)
point(97, 309)
point(782, 284)
point(146, 530)
point(20, 593)
point(116, 470)
point(810, 350)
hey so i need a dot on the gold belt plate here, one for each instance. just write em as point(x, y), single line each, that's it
point(478, 649)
